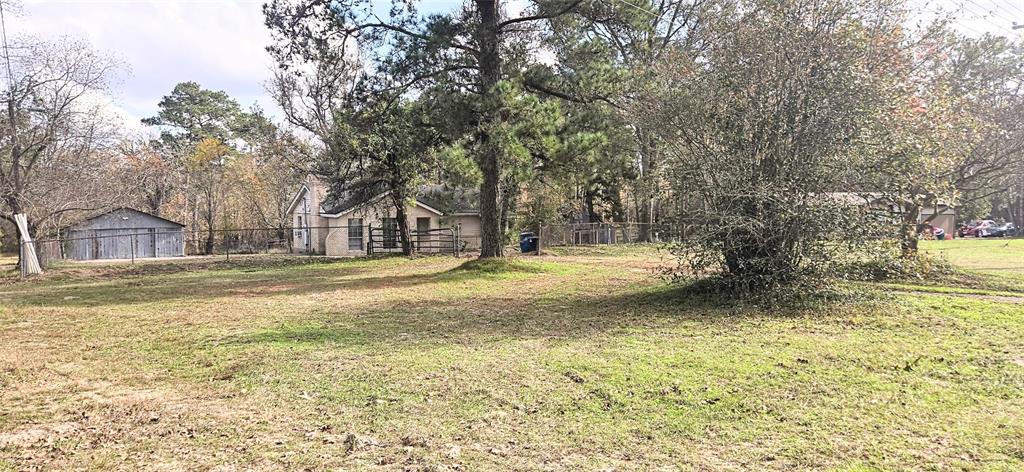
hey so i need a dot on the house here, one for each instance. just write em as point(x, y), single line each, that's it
point(124, 233)
point(940, 215)
point(346, 225)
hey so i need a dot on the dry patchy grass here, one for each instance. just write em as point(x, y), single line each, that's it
point(567, 361)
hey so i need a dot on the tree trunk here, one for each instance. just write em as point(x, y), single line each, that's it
point(14, 205)
point(646, 190)
point(509, 194)
point(490, 160)
point(209, 238)
point(210, 218)
point(589, 195)
point(909, 231)
point(403, 223)
point(490, 214)
point(1016, 203)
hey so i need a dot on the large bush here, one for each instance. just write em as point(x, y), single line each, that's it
point(765, 122)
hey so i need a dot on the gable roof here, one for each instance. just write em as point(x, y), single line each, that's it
point(358, 197)
point(355, 205)
point(296, 198)
point(434, 198)
point(91, 218)
point(451, 200)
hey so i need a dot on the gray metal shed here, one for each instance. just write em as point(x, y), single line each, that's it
point(120, 233)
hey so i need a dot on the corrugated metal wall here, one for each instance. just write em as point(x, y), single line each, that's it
point(120, 233)
point(119, 243)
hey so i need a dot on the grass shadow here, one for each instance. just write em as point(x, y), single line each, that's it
point(298, 334)
point(157, 283)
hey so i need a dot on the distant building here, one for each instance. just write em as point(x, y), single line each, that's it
point(940, 215)
point(125, 233)
point(341, 226)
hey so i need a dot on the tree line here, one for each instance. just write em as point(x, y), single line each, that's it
point(738, 122)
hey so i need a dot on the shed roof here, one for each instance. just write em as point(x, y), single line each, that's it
point(94, 217)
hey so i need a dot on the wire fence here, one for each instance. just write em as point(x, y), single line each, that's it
point(133, 244)
point(608, 233)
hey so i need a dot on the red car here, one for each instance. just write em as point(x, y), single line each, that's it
point(973, 228)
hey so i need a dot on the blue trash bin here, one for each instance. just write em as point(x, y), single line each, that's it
point(527, 242)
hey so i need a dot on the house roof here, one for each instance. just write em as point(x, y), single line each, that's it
point(357, 197)
point(450, 200)
point(867, 198)
point(438, 199)
point(296, 198)
point(128, 209)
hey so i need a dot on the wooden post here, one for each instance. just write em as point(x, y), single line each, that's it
point(369, 239)
point(455, 240)
point(131, 243)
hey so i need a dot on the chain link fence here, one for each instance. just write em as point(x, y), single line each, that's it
point(587, 234)
point(158, 243)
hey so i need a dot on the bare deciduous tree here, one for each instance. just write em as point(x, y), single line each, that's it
point(53, 129)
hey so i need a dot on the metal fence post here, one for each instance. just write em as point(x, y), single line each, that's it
point(131, 243)
point(540, 237)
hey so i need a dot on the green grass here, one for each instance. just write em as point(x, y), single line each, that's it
point(998, 256)
point(582, 360)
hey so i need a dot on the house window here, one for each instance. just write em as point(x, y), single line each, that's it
point(355, 234)
point(390, 227)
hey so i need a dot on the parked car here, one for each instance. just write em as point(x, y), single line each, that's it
point(998, 231)
point(972, 228)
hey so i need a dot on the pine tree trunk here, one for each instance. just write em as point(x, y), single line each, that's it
point(490, 213)
point(402, 218)
point(490, 160)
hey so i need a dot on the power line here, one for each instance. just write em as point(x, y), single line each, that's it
point(985, 16)
point(638, 8)
point(7, 52)
point(996, 11)
point(1015, 7)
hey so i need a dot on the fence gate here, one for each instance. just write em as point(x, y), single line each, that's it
point(388, 240)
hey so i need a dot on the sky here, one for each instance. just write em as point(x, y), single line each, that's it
point(220, 43)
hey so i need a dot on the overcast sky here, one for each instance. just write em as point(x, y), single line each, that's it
point(220, 43)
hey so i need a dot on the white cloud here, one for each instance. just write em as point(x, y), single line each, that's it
point(219, 44)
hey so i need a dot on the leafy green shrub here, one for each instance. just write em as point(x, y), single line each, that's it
point(889, 265)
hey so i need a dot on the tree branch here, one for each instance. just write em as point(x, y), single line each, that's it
point(540, 16)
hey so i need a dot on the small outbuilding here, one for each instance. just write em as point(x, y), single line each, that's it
point(125, 233)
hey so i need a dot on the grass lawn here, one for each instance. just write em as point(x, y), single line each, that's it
point(579, 360)
point(996, 256)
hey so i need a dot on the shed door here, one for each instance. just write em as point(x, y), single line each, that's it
point(145, 243)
